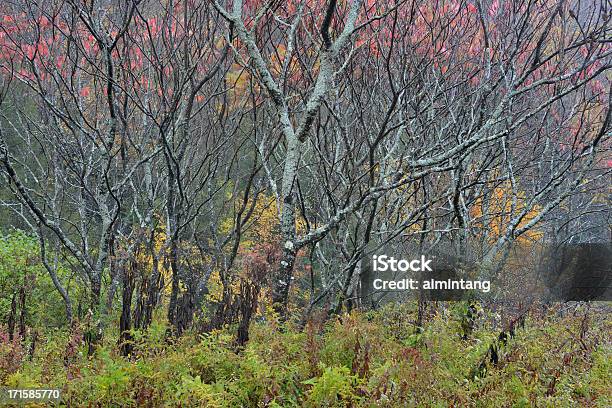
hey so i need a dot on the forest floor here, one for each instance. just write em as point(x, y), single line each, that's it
point(554, 357)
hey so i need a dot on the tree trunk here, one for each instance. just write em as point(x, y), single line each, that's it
point(11, 317)
point(22, 312)
point(282, 280)
point(175, 283)
point(125, 321)
point(94, 332)
point(249, 292)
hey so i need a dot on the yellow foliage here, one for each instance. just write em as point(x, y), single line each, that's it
point(238, 82)
point(265, 222)
point(144, 258)
point(262, 230)
point(494, 216)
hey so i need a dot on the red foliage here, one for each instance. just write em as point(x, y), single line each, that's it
point(11, 353)
point(260, 260)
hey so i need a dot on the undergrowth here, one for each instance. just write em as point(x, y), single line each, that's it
point(373, 359)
